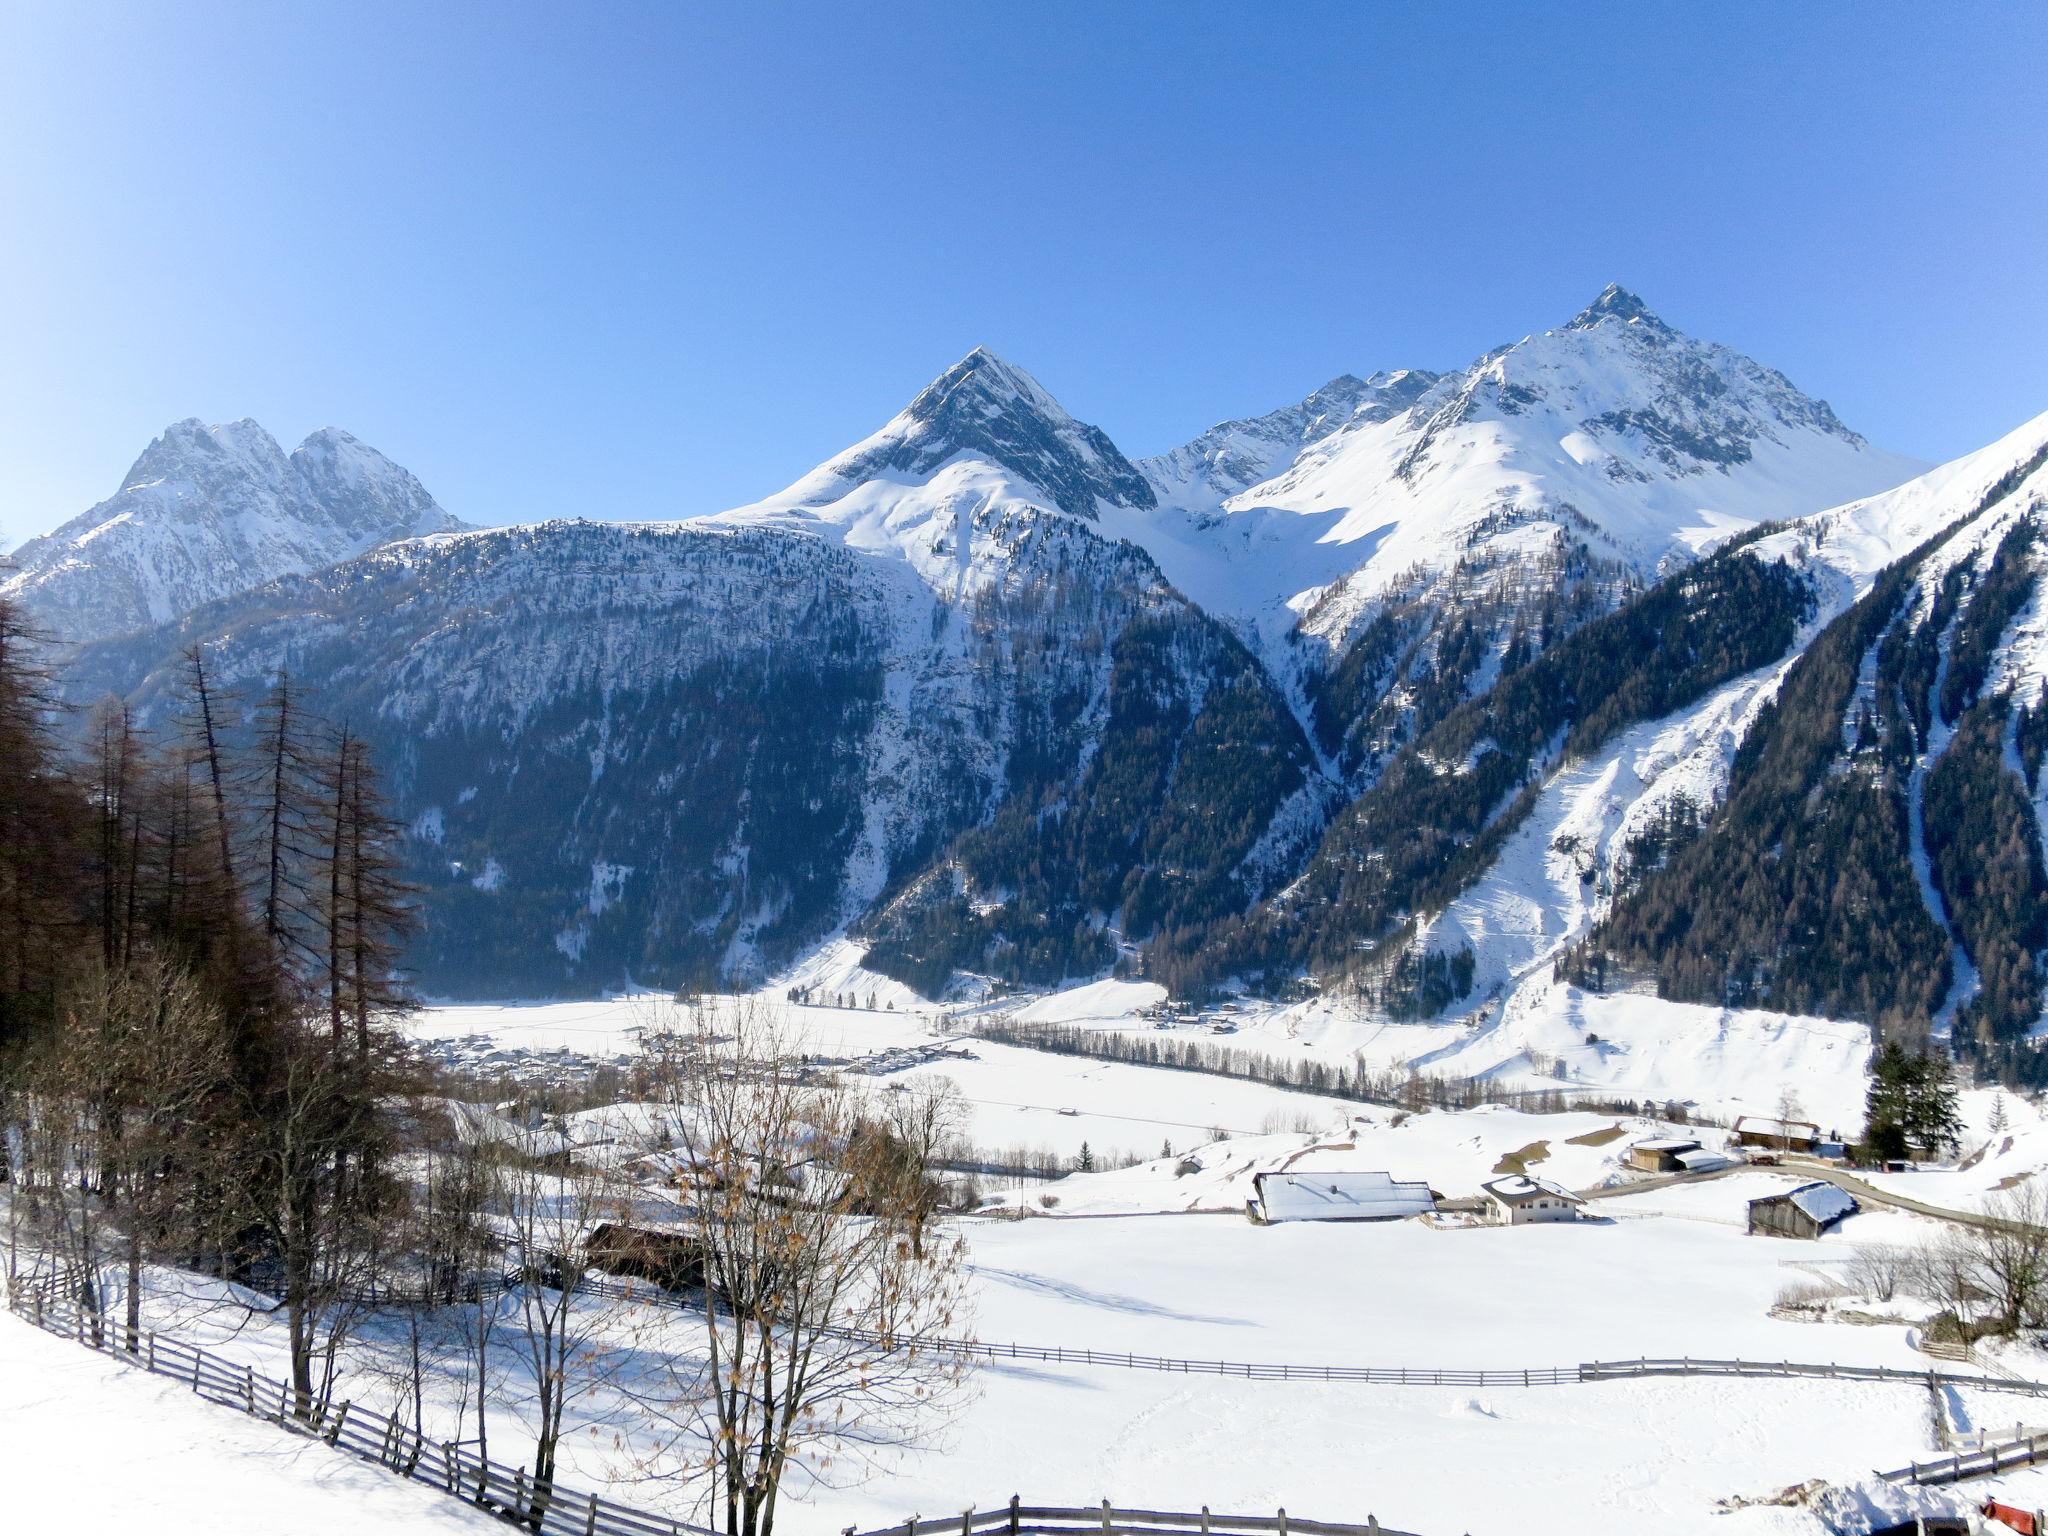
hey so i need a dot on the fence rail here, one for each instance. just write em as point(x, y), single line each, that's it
point(647, 1292)
point(510, 1493)
point(1020, 1519)
point(1963, 1465)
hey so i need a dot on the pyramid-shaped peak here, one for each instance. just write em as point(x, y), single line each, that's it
point(987, 409)
point(984, 377)
point(1619, 304)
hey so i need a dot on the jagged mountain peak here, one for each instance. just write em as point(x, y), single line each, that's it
point(1615, 303)
point(989, 410)
point(206, 451)
point(210, 510)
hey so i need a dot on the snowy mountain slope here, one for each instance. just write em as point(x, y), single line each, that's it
point(687, 751)
point(1389, 565)
point(1890, 743)
point(1234, 456)
point(207, 512)
point(1615, 428)
point(987, 411)
point(1854, 832)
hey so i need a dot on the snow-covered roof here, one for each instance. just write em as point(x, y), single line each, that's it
point(1824, 1202)
point(1820, 1200)
point(1517, 1188)
point(1768, 1125)
point(1664, 1144)
point(1340, 1195)
point(1702, 1160)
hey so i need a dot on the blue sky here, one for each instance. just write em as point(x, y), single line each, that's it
point(650, 260)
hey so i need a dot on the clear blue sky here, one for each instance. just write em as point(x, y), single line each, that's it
point(656, 259)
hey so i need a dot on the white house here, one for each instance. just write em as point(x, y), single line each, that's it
point(1340, 1195)
point(1519, 1198)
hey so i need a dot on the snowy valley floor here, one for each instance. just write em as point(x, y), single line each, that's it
point(1156, 1260)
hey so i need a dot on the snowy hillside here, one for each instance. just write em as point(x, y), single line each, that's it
point(208, 512)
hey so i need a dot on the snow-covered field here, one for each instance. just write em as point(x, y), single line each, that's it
point(1664, 1273)
point(113, 1450)
point(1155, 1260)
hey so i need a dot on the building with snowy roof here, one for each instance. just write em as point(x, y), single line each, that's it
point(1777, 1135)
point(1336, 1195)
point(1804, 1212)
point(1660, 1154)
point(1520, 1198)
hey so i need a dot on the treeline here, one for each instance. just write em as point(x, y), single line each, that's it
point(1351, 1079)
point(1441, 811)
point(198, 934)
point(1416, 659)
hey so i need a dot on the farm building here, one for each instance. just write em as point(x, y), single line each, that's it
point(1345, 1195)
point(1519, 1198)
point(1702, 1160)
point(1660, 1154)
point(1777, 1135)
point(1804, 1212)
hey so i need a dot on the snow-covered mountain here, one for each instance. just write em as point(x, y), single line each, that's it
point(998, 701)
point(918, 690)
point(1234, 456)
point(209, 511)
point(1801, 778)
point(1520, 496)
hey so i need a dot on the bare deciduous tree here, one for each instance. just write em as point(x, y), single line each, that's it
point(560, 1333)
point(820, 1318)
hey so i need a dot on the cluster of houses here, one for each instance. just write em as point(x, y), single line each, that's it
point(1517, 1199)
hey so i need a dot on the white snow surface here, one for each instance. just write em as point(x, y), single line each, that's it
point(96, 1447)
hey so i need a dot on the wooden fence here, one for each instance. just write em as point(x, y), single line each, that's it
point(510, 1493)
point(1019, 1519)
point(1963, 1465)
point(647, 1292)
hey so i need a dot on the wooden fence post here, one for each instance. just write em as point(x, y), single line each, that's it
point(967, 1522)
point(1283, 1522)
point(1205, 1520)
point(1013, 1514)
point(341, 1418)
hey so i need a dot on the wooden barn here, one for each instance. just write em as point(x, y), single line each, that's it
point(1805, 1212)
point(673, 1260)
point(1660, 1154)
point(1776, 1135)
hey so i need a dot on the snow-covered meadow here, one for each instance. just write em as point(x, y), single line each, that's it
point(1157, 1259)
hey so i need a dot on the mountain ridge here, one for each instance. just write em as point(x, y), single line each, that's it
point(205, 512)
